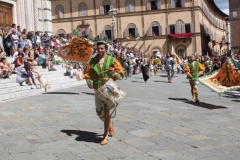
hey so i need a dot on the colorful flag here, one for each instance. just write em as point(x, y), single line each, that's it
point(138, 37)
point(225, 79)
point(79, 50)
point(74, 32)
point(105, 38)
point(177, 59)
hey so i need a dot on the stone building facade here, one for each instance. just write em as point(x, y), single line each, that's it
point(234, 16)
point(188, 25)
point(34, 15)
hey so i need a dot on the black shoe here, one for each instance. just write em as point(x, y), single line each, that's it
point(6, 77)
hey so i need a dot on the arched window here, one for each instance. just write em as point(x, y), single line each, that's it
point(107, 32)
point(177, 3)
point(61, 32)
point(82, 8)
point(180, 27)
point(153, 4)
point(105, 7)
point(59, 12)
point(131, 31)
point(130, 6)
point(155, 29)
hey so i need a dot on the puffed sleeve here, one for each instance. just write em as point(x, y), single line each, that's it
point(87, 74)
point(187, 71)
point(118, 70)
point(201, 67)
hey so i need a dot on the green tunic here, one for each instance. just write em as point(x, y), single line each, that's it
point(194, 67)
point(98, 72)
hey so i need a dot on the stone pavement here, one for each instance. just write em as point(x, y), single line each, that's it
point(155, 121)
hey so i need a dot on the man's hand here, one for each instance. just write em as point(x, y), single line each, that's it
point(90, 85)
point(111, 70)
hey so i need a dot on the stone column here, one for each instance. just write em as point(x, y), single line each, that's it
point(47, 16)
point(21, 13)
point(29, 15)
point(36, 11)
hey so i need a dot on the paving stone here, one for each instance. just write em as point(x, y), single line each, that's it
point(138, 142)
point(149, 125)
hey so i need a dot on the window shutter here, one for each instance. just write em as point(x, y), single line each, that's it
point(136, 32)
point(168, 30)
point(101, 10)
point(191, 28)
point(148, 6)
point(183, 3)
point(128, 8)
point(173, 4)
point(183, 28)
point(160, 30)
point(103, 33)
point(176, 29)
point(131, 7)
point(126, 33)
point(150, 31)
point(111, 6)
point(159, 4)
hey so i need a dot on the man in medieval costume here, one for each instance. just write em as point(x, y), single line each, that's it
point(169, 66)
point(97, 72)
point(156, 62)
point(193, 69)
point(207, 64)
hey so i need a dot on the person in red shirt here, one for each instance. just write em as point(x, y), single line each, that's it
point(19, 60)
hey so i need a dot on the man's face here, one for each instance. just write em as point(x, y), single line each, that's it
point(101, 50)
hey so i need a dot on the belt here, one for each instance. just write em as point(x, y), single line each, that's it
point(102, 79)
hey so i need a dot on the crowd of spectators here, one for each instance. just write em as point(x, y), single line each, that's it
point(131, 60)
point(21, 50)
point(36, 48)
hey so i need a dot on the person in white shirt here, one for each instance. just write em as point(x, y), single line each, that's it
point(15, 38)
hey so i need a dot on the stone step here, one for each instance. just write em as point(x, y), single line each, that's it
point(10, 89)
point(15, 87)
point(12, 82)
point(30, 92)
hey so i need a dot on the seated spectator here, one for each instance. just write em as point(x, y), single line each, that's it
point(25, 76)
point(44, 60)
point(6, 71)
point(70, 72)
point(35, 74)
point(15, 39)
point(19, 61)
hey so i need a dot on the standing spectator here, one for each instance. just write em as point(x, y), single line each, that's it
point(46, 40)
point(37, 39)
point(15, 39)
point(1, 36)
point(19, 32)
point(24, 32)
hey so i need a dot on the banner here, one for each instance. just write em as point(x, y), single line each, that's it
point(79, 50)
point(177, 59)
point(225, 79)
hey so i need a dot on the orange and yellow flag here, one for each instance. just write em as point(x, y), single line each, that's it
point(79, 50)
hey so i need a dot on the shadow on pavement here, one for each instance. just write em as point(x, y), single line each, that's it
point(137, 82)
point(238, 100)
point(161, 81)
point(60, 93)
point(200, 104)
point(166, 76)
point(88, 93)
point(84, 135)
point(138, 77)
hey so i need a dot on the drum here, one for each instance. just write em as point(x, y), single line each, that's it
point(110, 94)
